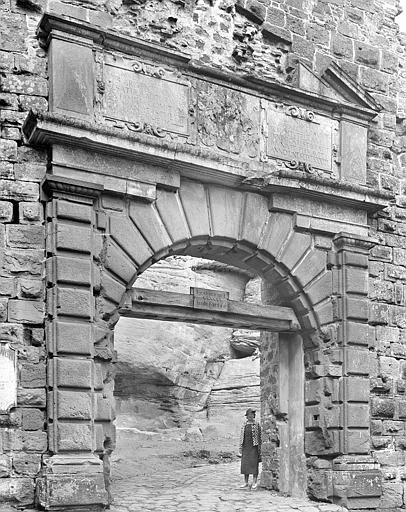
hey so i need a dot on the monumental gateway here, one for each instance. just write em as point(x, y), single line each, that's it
point(268, 136)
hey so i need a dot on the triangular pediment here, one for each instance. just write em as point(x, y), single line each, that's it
point(335, 84)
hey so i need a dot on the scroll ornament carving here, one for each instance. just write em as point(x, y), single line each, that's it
point(148, 69)
point(300, 113)
point(146, 128)
point(224, 121)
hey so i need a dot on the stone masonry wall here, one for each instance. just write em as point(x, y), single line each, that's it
point(264, 37)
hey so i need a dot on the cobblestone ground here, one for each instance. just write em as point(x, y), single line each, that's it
point(203, 489)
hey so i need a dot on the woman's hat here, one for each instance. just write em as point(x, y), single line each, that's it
point(248, 411)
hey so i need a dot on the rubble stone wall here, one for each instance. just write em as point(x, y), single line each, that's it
point(260, 37)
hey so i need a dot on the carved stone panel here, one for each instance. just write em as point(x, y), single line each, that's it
point(71, 84)
point(300, 138)
point(353, 152)
point(8, 378)
point(228, 120)
point(148, 98)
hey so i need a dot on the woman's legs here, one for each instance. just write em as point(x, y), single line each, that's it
point(245, 481)
point(254, 481)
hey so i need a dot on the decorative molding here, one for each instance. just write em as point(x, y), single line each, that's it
point(300, 113)
point(58, 184)
point(148, 69)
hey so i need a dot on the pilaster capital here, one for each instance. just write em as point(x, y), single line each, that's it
point(57, 186)
point(353, 243)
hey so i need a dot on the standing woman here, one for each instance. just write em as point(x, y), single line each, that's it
point(250, 448)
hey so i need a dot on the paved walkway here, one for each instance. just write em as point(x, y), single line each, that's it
point(203, 489)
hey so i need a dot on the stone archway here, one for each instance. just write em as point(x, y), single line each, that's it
point(122, 194)
point(110, 240)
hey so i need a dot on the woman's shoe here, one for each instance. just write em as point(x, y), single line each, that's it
point(243, 486)
point(254, 486)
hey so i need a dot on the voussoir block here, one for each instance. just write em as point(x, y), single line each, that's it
point(171, 212)
point(147, 220)
point(294, 249)
point(128, 237)
point(255, 216)
point(312, 265)
point(194, 202)
point(226, 210)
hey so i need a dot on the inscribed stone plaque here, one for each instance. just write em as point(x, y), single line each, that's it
point(209, 299)
point(299, 136)
point(8, 378)
point(71, 72)
point(145, 100)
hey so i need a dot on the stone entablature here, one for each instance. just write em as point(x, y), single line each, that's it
point(145, 93)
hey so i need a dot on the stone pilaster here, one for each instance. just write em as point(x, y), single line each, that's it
point(73, 474)
point(354, 472)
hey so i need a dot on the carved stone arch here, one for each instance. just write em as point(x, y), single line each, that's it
point(221, 224)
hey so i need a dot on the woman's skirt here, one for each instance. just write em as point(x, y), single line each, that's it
point(249, 460)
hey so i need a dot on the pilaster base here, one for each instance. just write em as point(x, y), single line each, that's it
point(72, 483)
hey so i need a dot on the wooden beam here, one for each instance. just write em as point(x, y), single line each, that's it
point(179, 307)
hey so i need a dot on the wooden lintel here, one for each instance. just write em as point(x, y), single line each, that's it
point(160, 305)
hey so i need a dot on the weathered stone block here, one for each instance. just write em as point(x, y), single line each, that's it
point(5, 466)
point(357, 361)
point(322, 443)
point(356, 280)
point(6, 211)
point(73, 373)
point(22, 84)
point(383, 407)
point(358, 415)
point(35, 441)
point(31, 397)
point(366, 54)
point(374, 80)
point(59, 491)
point(116, 261)
point(103, 409)
point(112, 289)
point(70, 270)
point(73, 238)
point(73, 211)
point(30, 171)
point(358, 441)
point(392, 495)
point(74, 302)
point(32, 419)
point(30, 288)
point(357, 333)
point(72, 338)
point(74, 405)
point(356, 389)
point(342, 46)
point(30, 212)
point(27, 464)
point(17, 490)
point(25, 236)
point(72, 436)
point(378, 313)
point(26, 311)
point(3, 309)
point(19, 261)
point(357, 309)
point(33, 375)
point(8, 151)
point(18, 190)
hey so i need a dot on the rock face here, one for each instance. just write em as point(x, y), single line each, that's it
point(178, 375)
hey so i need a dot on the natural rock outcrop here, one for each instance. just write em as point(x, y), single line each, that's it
point(171, 375)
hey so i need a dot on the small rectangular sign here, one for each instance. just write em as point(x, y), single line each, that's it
point(8, 378)
point(209, 299)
